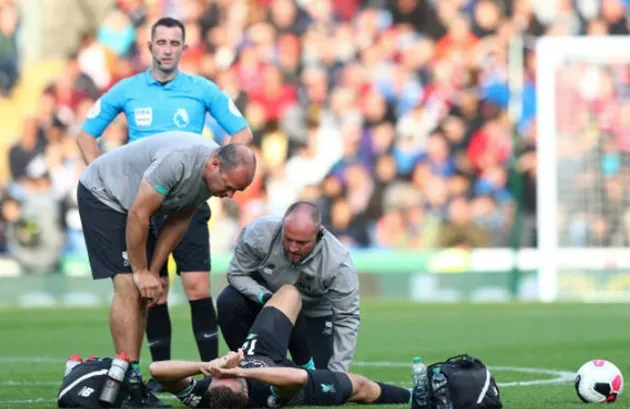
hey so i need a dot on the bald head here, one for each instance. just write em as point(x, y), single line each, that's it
point(236, 155)
point(239, 161)
point(300, 227)
point(231, 168)
point(304, 211)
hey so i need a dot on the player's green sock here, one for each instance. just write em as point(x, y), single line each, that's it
point(135, 375)
point(309, 365)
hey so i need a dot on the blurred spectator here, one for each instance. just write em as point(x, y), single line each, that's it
point(460, 231)
point(35, 237)
point(8, 47)
point(391, 115)
point(28, 152)
point(81, 82)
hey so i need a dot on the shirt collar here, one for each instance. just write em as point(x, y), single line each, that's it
point(153, 81)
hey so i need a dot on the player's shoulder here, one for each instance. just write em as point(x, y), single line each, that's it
point(196, 397)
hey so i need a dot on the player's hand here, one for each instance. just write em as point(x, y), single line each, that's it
point(149, 286)
point(232, 359)
point(229, 361)
point(218, 372)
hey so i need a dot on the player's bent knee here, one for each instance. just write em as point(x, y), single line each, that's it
point(196, 285)
point(363, 389)
point(290, 292)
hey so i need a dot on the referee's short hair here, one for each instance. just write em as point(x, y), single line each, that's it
point(169, 22)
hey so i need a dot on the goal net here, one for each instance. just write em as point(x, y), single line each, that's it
point(583, 149)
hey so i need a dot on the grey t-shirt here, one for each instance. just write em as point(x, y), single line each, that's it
point(173, 162)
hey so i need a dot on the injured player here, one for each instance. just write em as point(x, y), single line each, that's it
point(259, 374)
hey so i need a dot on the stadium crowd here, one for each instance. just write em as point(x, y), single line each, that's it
point(392, 115)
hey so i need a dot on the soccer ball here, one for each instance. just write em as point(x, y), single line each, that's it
point(599, 381)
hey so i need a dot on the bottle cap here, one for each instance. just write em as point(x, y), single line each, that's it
point(123, 356)
point(417, 360)
point(75, 357)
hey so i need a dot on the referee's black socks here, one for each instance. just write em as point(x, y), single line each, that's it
point(204, 323)
point(159, 332)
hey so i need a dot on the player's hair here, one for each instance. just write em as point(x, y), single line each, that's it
point(169, 22)
point(311, 208)
point(222, 397)
point(234, 155)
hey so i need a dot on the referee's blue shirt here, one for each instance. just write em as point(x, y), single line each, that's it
point(151, 107)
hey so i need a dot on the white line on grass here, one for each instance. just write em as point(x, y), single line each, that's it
point(42, 400)
point(560, 376)
point(29, 383)
point(30, 360)
point(25, 401)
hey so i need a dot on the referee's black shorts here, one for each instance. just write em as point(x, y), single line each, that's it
point(193, 251)
point(104, 230)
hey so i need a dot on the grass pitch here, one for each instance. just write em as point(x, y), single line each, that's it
point(533, 350)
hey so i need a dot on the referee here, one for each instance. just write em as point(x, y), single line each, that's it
point(158, 100)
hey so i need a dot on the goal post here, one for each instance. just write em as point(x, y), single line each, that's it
point(556, 58)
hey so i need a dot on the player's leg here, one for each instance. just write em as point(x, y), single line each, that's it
point(367, 391)
point(288, 301)
point(158, 328)
point(270, 334)
point(235, 315)
point(192, 256)
point(321, 340)
point(299, 345)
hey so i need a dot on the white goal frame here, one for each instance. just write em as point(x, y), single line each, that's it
point(551, 52)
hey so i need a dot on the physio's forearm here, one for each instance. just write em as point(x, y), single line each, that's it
point(136, 237)
point(171, 234)
point(246, 285)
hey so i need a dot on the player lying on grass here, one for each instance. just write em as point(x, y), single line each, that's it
point(259, 375)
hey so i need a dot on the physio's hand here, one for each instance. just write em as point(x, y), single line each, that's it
point(149, 286)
